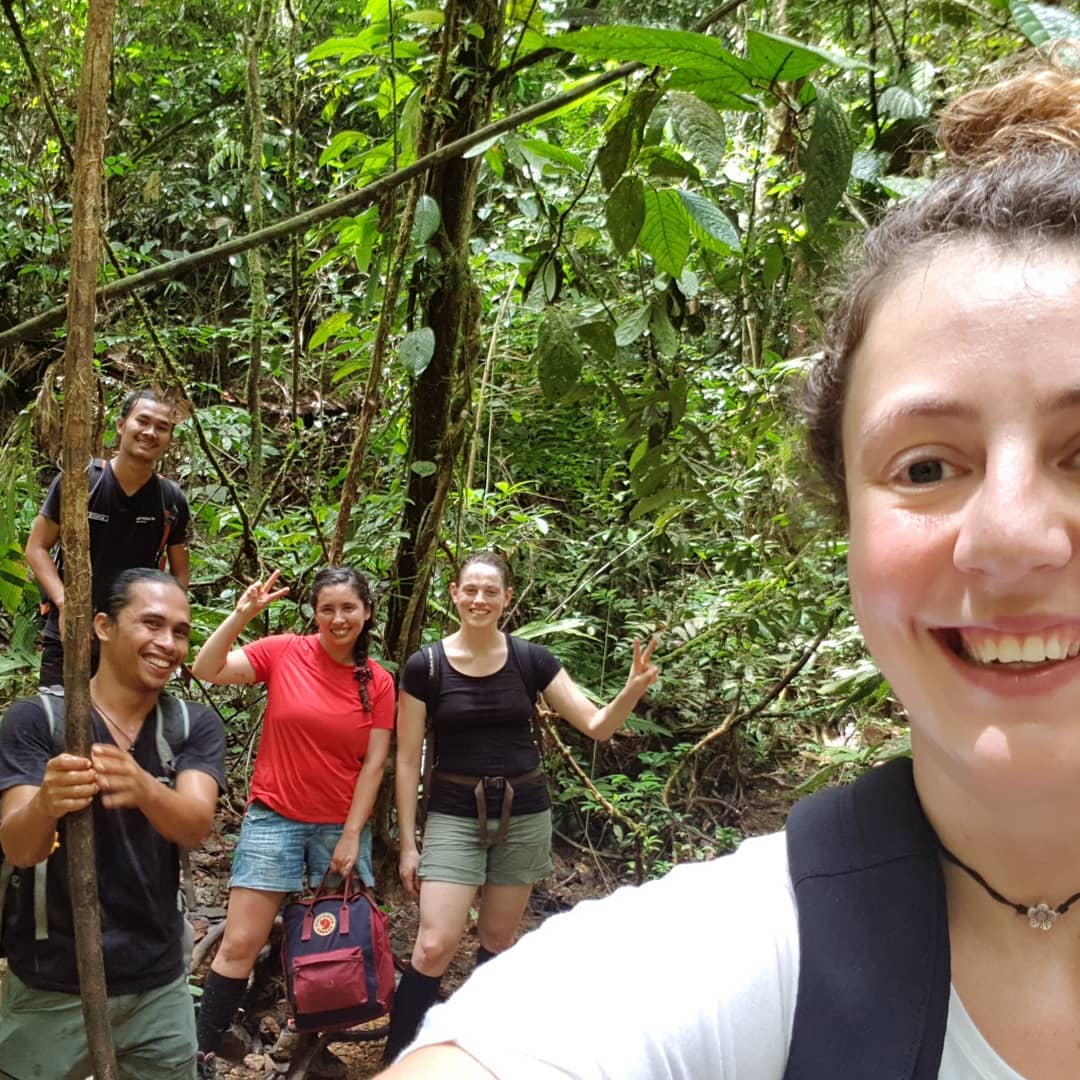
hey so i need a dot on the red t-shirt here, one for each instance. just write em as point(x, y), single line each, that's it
point(315, 730)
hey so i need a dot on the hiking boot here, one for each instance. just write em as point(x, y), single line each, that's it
point(327, 1066)
point(205, 1066)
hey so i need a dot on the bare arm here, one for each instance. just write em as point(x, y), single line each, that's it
point(446, 1061)
point(43, 536)
point(564, 695)
point(214, 662)
point(180, 563)
point(363, 800)
point(184, 814)
point(412, 714)
point(29, 814)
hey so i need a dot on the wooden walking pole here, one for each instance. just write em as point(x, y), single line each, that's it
point(80, 398)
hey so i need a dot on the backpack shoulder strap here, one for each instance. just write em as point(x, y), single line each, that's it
point(431, 701)
point(524, 661)
point(169, 491)
point(172, 727)
point(434, 678)
point(873, 932)
point(52, 703)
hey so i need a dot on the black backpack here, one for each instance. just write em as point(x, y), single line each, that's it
point(874, 972)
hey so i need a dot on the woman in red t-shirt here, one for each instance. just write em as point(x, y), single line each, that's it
point(325, 739)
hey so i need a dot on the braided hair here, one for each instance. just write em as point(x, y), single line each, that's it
point(345, 575)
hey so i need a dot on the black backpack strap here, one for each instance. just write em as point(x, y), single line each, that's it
point(170, 494)
point(874, 973)
point(431, 702)
point(523, 659)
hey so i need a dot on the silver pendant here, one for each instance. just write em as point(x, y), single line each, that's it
point(1041, 916)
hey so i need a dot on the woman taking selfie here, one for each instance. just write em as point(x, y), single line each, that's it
point(321, 756)
point(925, 921)
point(489, 817)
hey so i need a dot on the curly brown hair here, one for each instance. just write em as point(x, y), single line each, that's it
point(1014, 180)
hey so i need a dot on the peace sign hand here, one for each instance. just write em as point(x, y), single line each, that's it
point(258, 596)
point(643, 672)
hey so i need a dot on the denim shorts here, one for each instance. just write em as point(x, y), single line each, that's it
point(273, 852)
point(452, 850)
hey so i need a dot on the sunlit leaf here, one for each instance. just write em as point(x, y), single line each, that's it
point(416, 350)
point(329, 327)
point(559, 356)
point(624, 213)
point(427, 220)
point(826, 161)
point(665, 234)
point(1041, 23)
point(700, 128)
point(710, 219)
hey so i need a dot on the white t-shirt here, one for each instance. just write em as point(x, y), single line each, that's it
point(692, 977)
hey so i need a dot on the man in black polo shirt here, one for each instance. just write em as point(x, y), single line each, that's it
point(137, 518)
point(143, 811)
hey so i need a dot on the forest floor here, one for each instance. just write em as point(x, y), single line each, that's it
point(579, 874)
point(261, 1046)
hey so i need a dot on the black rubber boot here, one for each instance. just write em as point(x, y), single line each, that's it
point(415, 994)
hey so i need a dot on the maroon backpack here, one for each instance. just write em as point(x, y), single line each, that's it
point(339, 967)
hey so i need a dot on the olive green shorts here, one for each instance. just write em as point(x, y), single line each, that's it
point(452, 851)
point(42, 1035)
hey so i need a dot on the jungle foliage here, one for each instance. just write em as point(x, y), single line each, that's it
point(575, 342)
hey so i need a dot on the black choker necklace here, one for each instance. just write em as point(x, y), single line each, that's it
point(1040, 917)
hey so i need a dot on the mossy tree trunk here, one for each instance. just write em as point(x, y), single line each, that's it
point(80, 400)
point(452, 309)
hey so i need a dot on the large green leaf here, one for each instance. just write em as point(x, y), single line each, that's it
point(826, 161)
point(600, 337)
point(661, 163)
point(624, 213)
point(666, 232)
point(710, 221)
point(416, 350)
point(723, 87)
point(427, 220)
point(540, 150)
point(663, 333)
point(329, 327)
point(614, 154)
point(771, 58)
point(647, 45)
point(632, 327)
point(700, 128)
point(559, 356)
point(624, 130)
point(902, 104)
point(1040, 23)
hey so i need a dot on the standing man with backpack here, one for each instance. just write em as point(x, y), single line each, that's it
point(152, 781)
point(137, 518)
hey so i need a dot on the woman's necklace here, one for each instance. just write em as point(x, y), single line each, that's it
point(1040, 917)
point(131, 739)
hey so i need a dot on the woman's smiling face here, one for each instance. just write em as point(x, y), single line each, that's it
point(961, 436)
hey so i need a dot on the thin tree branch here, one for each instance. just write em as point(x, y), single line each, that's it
point(336, 208)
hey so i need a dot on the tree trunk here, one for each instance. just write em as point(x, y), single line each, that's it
point(441, 396)
point(259, 16)
point(80, 396)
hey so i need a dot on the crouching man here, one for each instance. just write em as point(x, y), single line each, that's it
point(152, 779)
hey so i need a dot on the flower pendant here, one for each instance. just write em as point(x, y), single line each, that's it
point(1041, 916)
